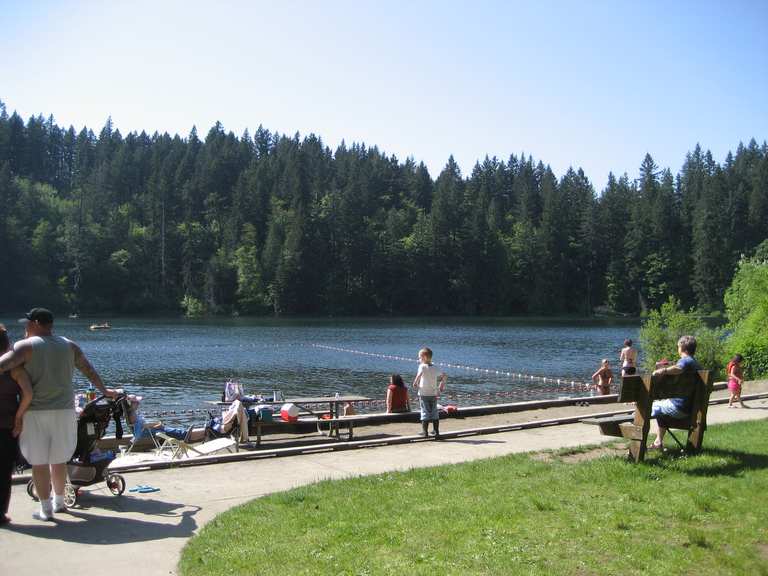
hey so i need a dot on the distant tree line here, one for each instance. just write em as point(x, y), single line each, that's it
point(272, 224)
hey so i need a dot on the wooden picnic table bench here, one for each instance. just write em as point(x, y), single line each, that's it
point(331, 415)
point(337, 423)
point(643, 390)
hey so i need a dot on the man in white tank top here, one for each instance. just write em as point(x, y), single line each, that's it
point(49, 434)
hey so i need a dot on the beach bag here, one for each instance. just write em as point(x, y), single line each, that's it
point(233, 390)
point(263, 413)
point(289, 412)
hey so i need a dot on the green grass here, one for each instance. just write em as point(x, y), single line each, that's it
point(700, 515)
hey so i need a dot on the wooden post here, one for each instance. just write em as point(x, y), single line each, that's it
point(637, 431)
point(699, 411)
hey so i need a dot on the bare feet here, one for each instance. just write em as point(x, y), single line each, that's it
point(656, 446)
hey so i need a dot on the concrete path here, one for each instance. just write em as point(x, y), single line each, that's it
point(145, 533)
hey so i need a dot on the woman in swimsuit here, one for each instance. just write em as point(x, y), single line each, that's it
point(628, 358)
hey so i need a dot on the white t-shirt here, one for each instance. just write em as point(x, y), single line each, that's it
point(428, 382)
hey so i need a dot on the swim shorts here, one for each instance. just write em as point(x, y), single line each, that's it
point(48, 436)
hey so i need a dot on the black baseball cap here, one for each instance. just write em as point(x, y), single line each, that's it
point(40, 315)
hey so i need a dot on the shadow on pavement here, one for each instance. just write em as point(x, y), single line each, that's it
point(80, 526)
point(463, 441)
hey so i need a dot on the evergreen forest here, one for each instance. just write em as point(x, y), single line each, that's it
point(270, 224)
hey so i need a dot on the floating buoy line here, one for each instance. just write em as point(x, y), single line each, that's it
point(446, 397)
point(555, 384)
point(518, 375)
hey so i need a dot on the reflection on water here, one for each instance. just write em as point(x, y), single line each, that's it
point(179, 364)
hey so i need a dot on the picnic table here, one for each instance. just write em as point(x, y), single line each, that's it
point(334, 402)
point(306, 404)
point(643, 390)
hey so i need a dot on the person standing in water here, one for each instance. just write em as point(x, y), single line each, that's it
point(603, 378)
point(628, 358)
point(429, 390)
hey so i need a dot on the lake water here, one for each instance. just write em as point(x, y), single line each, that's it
point(177, 365)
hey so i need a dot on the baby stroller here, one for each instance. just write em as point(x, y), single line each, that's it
point(88, 465)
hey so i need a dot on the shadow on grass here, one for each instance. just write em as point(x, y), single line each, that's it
point(727, 463)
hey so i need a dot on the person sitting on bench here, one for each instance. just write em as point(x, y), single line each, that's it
point(675, 407)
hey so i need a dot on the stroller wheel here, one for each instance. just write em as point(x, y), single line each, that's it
point(116, 484)
point(31, 490)
point(70, 495)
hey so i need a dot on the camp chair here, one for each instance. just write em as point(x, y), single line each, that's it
point(141, 429)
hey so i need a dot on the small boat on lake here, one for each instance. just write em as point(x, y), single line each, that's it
point(103, 326)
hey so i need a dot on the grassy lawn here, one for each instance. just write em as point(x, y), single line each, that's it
point(701, 515)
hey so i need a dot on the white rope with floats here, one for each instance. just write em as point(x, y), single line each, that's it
point(518, 375)
point(373, 403)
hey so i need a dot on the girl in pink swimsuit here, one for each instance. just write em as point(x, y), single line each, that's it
point(735, 379)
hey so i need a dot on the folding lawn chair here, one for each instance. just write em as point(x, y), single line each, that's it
point(142, 430)
point(178, 449)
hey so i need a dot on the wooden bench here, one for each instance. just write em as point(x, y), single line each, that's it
point(257, 427)
point(643, 390)
point(336, 424)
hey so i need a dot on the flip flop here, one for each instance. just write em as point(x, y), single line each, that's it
point(147, 489)
point(138, 488)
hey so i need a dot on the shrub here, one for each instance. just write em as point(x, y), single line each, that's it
point(750, 339)
point(192, 307)
point(746, 304)
point(665, 326)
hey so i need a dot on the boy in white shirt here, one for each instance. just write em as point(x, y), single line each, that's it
point(427, 386)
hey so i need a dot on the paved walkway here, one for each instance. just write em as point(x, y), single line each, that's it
point(144, 533)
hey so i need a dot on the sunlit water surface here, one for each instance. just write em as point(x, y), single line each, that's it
point(179, 365)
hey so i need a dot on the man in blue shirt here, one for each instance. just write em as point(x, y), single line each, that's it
point(675, 407)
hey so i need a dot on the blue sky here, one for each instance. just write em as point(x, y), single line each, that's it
point(590, 84)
